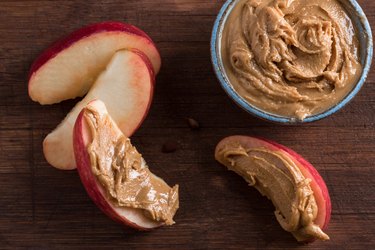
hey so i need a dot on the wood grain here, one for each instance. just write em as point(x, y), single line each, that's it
point(43, 208)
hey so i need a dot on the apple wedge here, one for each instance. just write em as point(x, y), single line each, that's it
point(126, 87)
point(70, 67)
point(102, 132)
point(292, 165)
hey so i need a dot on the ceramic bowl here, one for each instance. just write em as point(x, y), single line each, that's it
point(359, 20)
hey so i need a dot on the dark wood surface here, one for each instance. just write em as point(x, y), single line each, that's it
point(43, 208)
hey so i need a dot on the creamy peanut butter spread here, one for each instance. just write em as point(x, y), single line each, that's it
point(276, 176)
point(123, 173)
point(293, 58)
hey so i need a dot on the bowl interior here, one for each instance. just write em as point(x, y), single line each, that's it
point(366, 51)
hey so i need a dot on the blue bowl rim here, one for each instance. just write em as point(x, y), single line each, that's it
point(225, 83)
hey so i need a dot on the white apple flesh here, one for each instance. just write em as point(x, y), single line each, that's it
point(70, 67)
point(126, 87)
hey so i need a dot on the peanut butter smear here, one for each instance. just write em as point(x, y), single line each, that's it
point(293, 58)
point(276, 176)
point(123, 173)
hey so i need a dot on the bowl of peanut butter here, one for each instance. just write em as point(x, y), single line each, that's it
point(292, 61)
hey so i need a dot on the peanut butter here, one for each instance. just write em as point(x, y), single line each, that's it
point(292, 58)
point(124, 174)
point(276, 176)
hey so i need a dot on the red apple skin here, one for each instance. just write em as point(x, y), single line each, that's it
point(87, 177)
point(153, 77)
point(304, 165)
point(147, 62)
point(86, 31)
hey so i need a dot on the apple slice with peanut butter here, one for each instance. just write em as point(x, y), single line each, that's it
point(298, 192)
point(116, 176)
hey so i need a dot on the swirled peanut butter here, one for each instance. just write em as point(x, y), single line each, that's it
point(276, 176)
point(293, 58)
point(123, 173)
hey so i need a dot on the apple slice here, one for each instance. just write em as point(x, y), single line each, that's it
point(83, 139)
point(126, 87)
point(69, 67)
point(317, 184)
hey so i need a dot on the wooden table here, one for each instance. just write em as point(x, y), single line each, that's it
point(43, 208)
